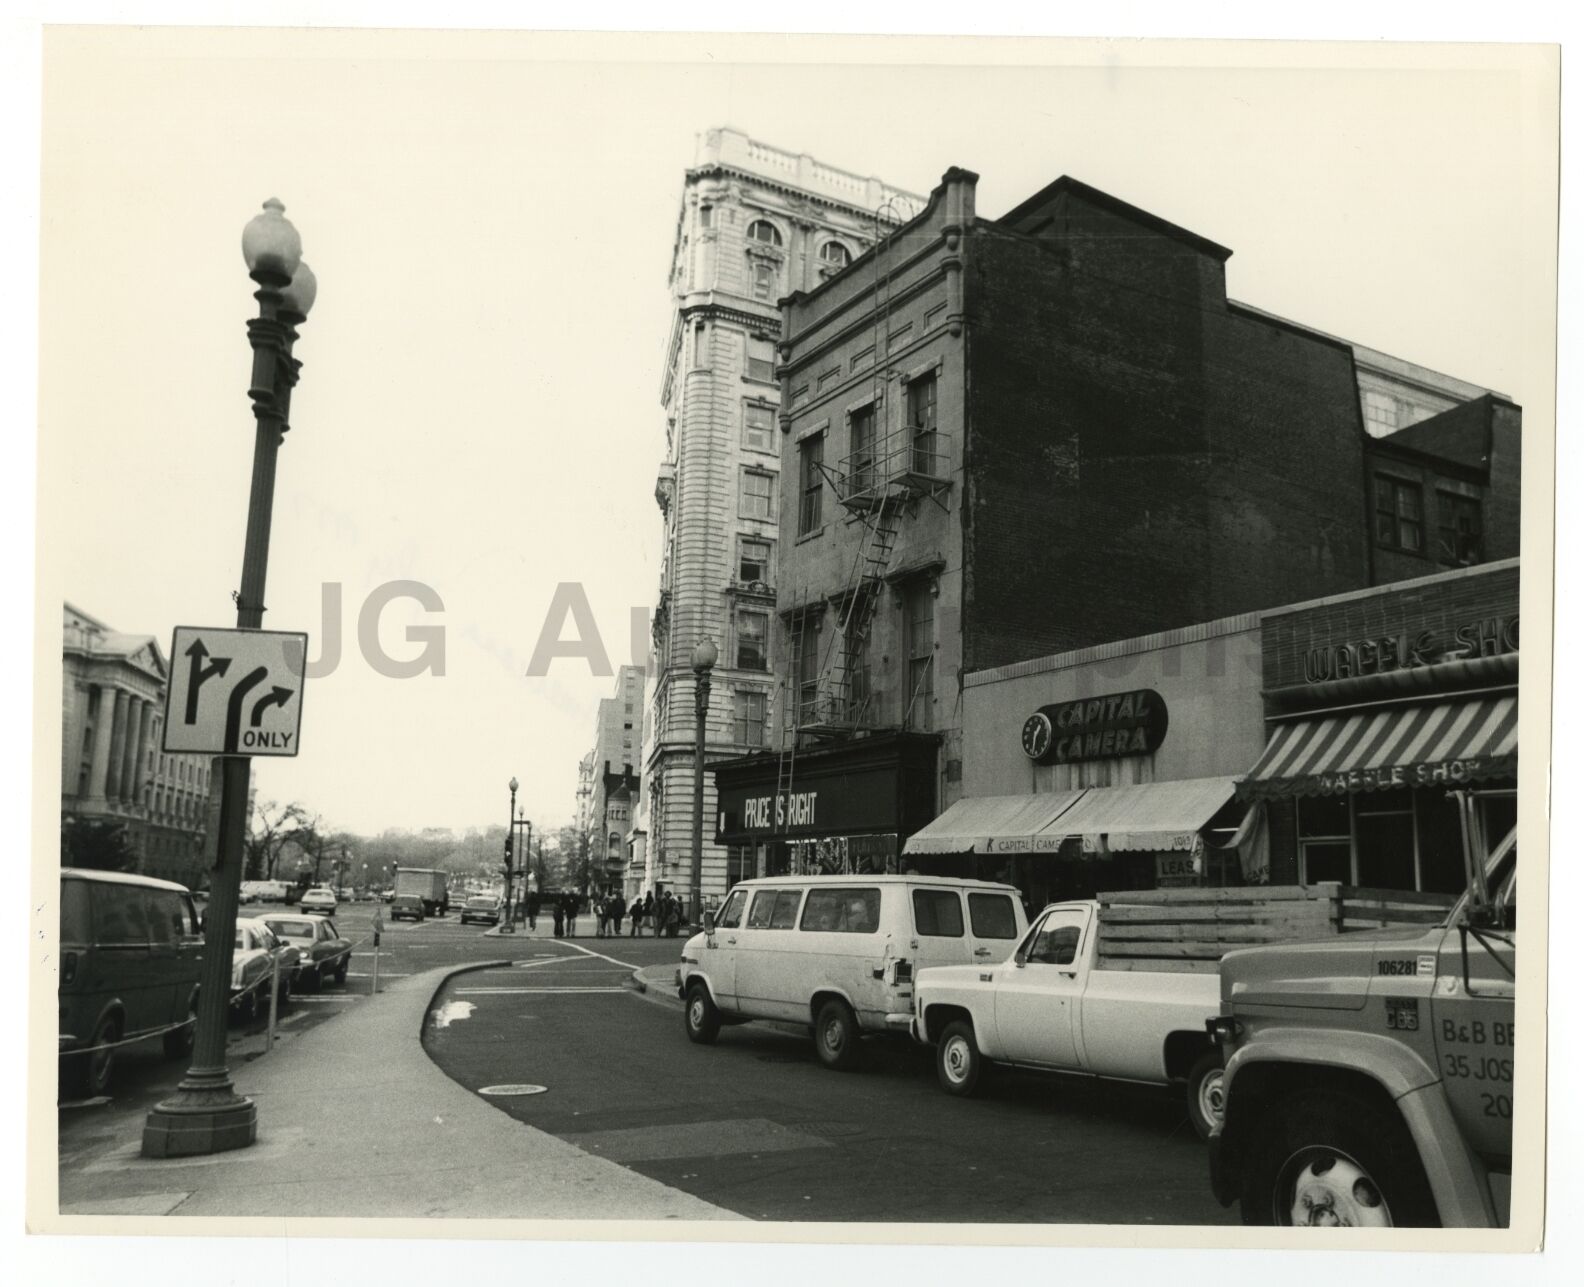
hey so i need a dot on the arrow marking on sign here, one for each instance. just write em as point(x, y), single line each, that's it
point(233, 727)
point(276, 696)
point(198, 674)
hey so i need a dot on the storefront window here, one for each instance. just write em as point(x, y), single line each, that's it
point(1399, 839)
point(1325, 839)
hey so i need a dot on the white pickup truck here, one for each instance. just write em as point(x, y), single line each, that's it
point(1052, 1006)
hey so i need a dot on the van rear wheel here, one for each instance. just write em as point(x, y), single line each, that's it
point(836, 1035)
point(701, 1015)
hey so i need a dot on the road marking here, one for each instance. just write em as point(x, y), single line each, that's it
point(321, 1000)
point(578, 947)
point(526, 991)
point(384, 974)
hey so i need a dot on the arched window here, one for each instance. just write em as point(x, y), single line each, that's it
point(835, 254)
point(762, 230)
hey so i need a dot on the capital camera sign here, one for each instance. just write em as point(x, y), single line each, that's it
point(1096, 728)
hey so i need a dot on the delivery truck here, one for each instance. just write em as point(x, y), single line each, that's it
point(420, 891)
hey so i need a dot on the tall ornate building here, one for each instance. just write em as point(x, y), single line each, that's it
point(756, 223)
point(112, 768)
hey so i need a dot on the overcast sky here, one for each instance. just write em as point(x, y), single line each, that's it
point(491, 219)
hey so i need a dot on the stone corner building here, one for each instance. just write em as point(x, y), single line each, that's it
point(756, 223)
point(112, 767)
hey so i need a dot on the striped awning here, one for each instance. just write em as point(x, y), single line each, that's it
point(995, 824)
point(1433, 744)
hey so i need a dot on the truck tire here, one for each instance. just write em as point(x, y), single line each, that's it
point(701, 1016)
point(958, 1064)
point(836, 1035)
point(1327, 1158)
point(1206, 1100)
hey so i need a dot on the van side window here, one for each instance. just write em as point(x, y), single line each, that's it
point(786, 906)
point(164, 916)
point(731, 914)
point(937, 913)
point(76, 920)
point(842, 911)
point(119, 916)
point(992, 916)
point(763, 906)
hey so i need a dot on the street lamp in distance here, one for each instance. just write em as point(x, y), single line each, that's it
point(511, 843)
point(704, 658)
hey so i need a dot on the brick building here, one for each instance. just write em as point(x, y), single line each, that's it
point(756, 222)
point(112, 768)
point(612, 780)
point(1008, 438)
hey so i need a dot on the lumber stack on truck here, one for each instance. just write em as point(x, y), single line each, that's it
point(1190, 930)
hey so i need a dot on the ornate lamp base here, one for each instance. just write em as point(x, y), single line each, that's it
point(195, 1122)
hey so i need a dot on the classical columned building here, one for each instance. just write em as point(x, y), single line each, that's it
point(112, 768)
point(756, 223)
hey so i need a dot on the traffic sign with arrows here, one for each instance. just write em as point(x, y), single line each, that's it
point(235, 692)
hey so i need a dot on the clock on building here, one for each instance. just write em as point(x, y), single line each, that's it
point(1036, 735)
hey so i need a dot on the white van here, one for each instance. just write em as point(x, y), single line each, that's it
point(838, 953)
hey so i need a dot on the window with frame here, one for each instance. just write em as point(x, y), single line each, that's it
point(748, 717)
point(811, 483)
point(1462, 534)
point(937, 913)
point(1056, 940)
point(732, 911)
point(704, 216)
point(924, 440)
point(753, 628)
point(806, 639)
point(1399, 514)
point(764, 232)
point(1381, 414)
point(841, 911)
point(992, 916)
point(766, 279)
point(758, 494)
point(835, 255)
point(861, 441)
point(758, 427)
point(920, 701)
point(774, 909)
point(753, 561)
point(761, 359)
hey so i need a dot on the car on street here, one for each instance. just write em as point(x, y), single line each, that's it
point(838, 953)
point(257, 959)
point(407, 907)
point(483, 908)
point(387, 894)
point(130, 955)
point(319, 899)
point(322, 952)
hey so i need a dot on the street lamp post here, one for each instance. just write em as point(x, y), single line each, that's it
point(511, 844)
point(704, 657)
point(206, 1115)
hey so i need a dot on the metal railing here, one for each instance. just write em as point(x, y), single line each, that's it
point(904, 462)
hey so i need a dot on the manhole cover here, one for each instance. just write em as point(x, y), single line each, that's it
point(513, 1088)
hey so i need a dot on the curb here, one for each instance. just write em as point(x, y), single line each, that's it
point(444, 980)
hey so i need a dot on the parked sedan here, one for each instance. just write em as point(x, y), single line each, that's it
point(253, 966)
point(320, 899)
point(322, 952)
point(483, 908)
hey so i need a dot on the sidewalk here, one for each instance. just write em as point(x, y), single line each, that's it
point(356, 1120)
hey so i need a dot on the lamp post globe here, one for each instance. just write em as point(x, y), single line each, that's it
point(705, 655)
point(271, 246)
point(300, 293)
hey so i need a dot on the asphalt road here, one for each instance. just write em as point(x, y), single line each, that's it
point(756, 1125)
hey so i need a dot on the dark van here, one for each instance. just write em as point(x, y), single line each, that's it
point(131, 953)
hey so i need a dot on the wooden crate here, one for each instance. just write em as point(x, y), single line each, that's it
point(1177, 930)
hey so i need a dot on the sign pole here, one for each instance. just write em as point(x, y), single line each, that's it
point(269, 1037)
point(206, 1115)
point(379, 924)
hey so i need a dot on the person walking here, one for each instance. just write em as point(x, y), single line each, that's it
point(571, 915)
point(635, 916)
point(674, 918)
point(556, 906)
point(617, 905)
point(648, 911)
point(533, 909)
point(597, 906)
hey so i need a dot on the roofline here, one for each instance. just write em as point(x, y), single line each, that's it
point(1117, 206)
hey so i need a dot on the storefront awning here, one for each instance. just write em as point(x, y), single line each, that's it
point(1434, 744)
point(995, 824)
point(1150, 816)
